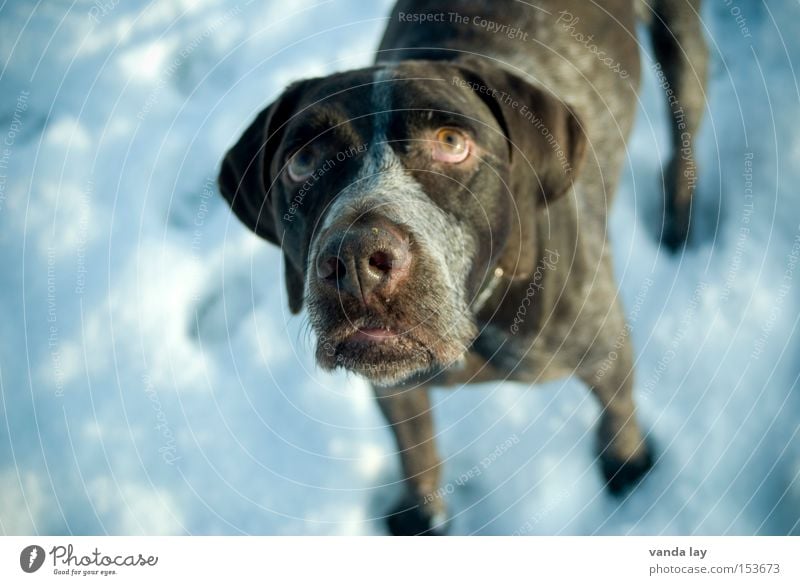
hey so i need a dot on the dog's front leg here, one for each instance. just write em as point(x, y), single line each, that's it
point(624, 451)
point(422, 510)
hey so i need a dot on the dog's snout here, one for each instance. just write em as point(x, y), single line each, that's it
point(364, 260)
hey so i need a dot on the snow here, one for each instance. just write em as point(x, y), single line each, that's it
point(153, 381)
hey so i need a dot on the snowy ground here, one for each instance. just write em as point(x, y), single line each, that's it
point(152, 380)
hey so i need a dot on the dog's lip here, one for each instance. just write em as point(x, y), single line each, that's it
point(372, 334)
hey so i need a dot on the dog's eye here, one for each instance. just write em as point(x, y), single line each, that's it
point(450, 146)
point(301, 165)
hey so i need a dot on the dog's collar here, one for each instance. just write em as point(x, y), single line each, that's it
point(488, 288)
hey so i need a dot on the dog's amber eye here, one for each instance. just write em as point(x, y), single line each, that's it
point(301, 165)
point(450, 145)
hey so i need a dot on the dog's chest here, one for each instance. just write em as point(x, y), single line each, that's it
point(521, 357)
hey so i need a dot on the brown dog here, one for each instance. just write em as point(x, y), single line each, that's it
point(443, 213)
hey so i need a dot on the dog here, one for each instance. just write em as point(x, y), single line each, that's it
point(443, 213)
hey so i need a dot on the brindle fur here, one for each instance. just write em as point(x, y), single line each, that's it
point(517, 205)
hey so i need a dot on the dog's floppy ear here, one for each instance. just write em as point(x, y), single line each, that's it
point(246, 181)
point(245, 177)
point(546, 149)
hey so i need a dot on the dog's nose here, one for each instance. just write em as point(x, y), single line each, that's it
point(364, 260)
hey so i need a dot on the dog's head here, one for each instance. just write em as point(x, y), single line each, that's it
point(396, 193)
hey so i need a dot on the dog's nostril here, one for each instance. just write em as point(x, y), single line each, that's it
point(381, 260)
point(332, 269)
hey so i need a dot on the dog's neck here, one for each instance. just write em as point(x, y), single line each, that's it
point(488, 288)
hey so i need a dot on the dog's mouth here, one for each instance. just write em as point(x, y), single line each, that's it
point(383, 323)
point(373, 335)
point(383, 353)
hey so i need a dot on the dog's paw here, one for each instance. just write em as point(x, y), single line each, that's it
point(675, 234)
point(622, 475)
point(413, 519)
